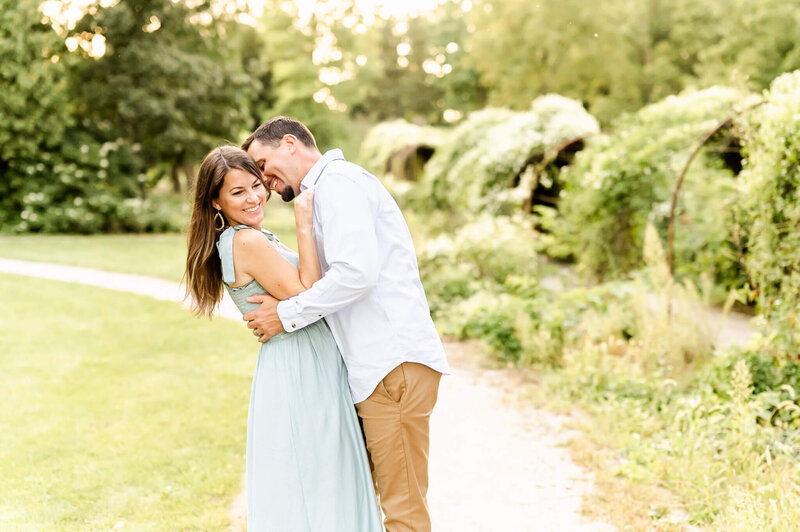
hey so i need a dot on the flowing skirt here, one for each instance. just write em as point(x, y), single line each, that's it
point(307, 468)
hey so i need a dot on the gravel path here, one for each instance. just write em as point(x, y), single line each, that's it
point(494, 465)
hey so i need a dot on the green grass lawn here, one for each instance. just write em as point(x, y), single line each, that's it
point(160, 256)
point(117, 410)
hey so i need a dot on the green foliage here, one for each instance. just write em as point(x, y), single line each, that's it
point(479, 167)
point(768, 214)
point(625, 180)
point(81, 188)
point(491, 250)
point(428, 78)
point(434, 187)
point(752, 38)
point(493, 320)
point(707, 427)
point(478, 279)
point(57, 177)
point(282, 50)
point(387, 138)
point(176, 91)
point(618, 56)
point(34, 96)
point(707, 441)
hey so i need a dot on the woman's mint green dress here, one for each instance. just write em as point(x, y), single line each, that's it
point(307, 468)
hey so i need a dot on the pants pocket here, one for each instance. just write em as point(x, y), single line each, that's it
point(394, 384)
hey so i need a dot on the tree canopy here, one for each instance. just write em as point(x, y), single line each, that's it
point(133, 93)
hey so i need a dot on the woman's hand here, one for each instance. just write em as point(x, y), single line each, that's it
point(310, 270)
point(304, 210)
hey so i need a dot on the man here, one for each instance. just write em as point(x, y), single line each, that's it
point(372, 298)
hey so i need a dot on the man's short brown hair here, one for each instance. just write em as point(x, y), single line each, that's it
point(271, 132)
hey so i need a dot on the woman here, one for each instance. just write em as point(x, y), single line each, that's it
point(307, 467)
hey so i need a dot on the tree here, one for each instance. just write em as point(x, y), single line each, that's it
point(618, 55)
point(283, 50)
point(754, 39)
point(410, 68)
point(166, 84)
point(33, 100)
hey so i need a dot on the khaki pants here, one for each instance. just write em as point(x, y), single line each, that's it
point(395, 421)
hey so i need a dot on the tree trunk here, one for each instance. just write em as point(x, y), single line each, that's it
point(188, 169)
point(176, 182)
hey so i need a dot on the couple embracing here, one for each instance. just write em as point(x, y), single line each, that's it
point(343, 322)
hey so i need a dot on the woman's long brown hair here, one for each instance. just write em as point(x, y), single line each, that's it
point(203, 275)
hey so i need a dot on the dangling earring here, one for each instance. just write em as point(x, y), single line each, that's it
point(219, 221)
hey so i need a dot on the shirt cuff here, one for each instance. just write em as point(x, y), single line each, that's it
point(290, 317)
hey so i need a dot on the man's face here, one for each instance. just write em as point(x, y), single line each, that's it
point(279, 166)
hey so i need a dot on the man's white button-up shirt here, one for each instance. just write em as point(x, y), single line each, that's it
point(370, 292)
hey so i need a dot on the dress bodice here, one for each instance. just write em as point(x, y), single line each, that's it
point(239, 294)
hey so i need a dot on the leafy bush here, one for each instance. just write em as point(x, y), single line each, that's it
point(493, 319)
point(476, 168)
point(386, 138)
point(485, 253)
point(732, 427)
point(434, 186)
point(480, 282)
point(85, 187)
point(707, 441)
point(769, 211)
point(624, 180)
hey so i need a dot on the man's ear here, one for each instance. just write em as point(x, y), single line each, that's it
point(291, 143)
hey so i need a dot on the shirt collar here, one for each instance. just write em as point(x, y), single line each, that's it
point(315, 173)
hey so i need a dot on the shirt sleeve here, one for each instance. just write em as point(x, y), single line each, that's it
point(347, 226)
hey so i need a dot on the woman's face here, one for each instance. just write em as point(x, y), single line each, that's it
point(242, 198)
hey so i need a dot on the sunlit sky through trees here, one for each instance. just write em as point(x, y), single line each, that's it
point(65, 13)
point(355, 14)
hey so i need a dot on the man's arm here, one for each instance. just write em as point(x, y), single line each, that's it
point(351, 250)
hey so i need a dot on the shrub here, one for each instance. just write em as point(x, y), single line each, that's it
point(432, 190)
point(730, 428)
point(624, 180)
point(84, 186)
point(478, 168)
point(483, 254)
point(769, 211)
point(387, 138)
point(492, 318)
point(81, 187)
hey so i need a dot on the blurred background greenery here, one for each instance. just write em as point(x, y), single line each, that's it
point(108, 106)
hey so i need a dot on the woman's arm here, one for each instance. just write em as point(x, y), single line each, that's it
point(310, 271)
point(256, 257)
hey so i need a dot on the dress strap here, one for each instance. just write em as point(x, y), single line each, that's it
point(271, 237)
point(225, 249)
